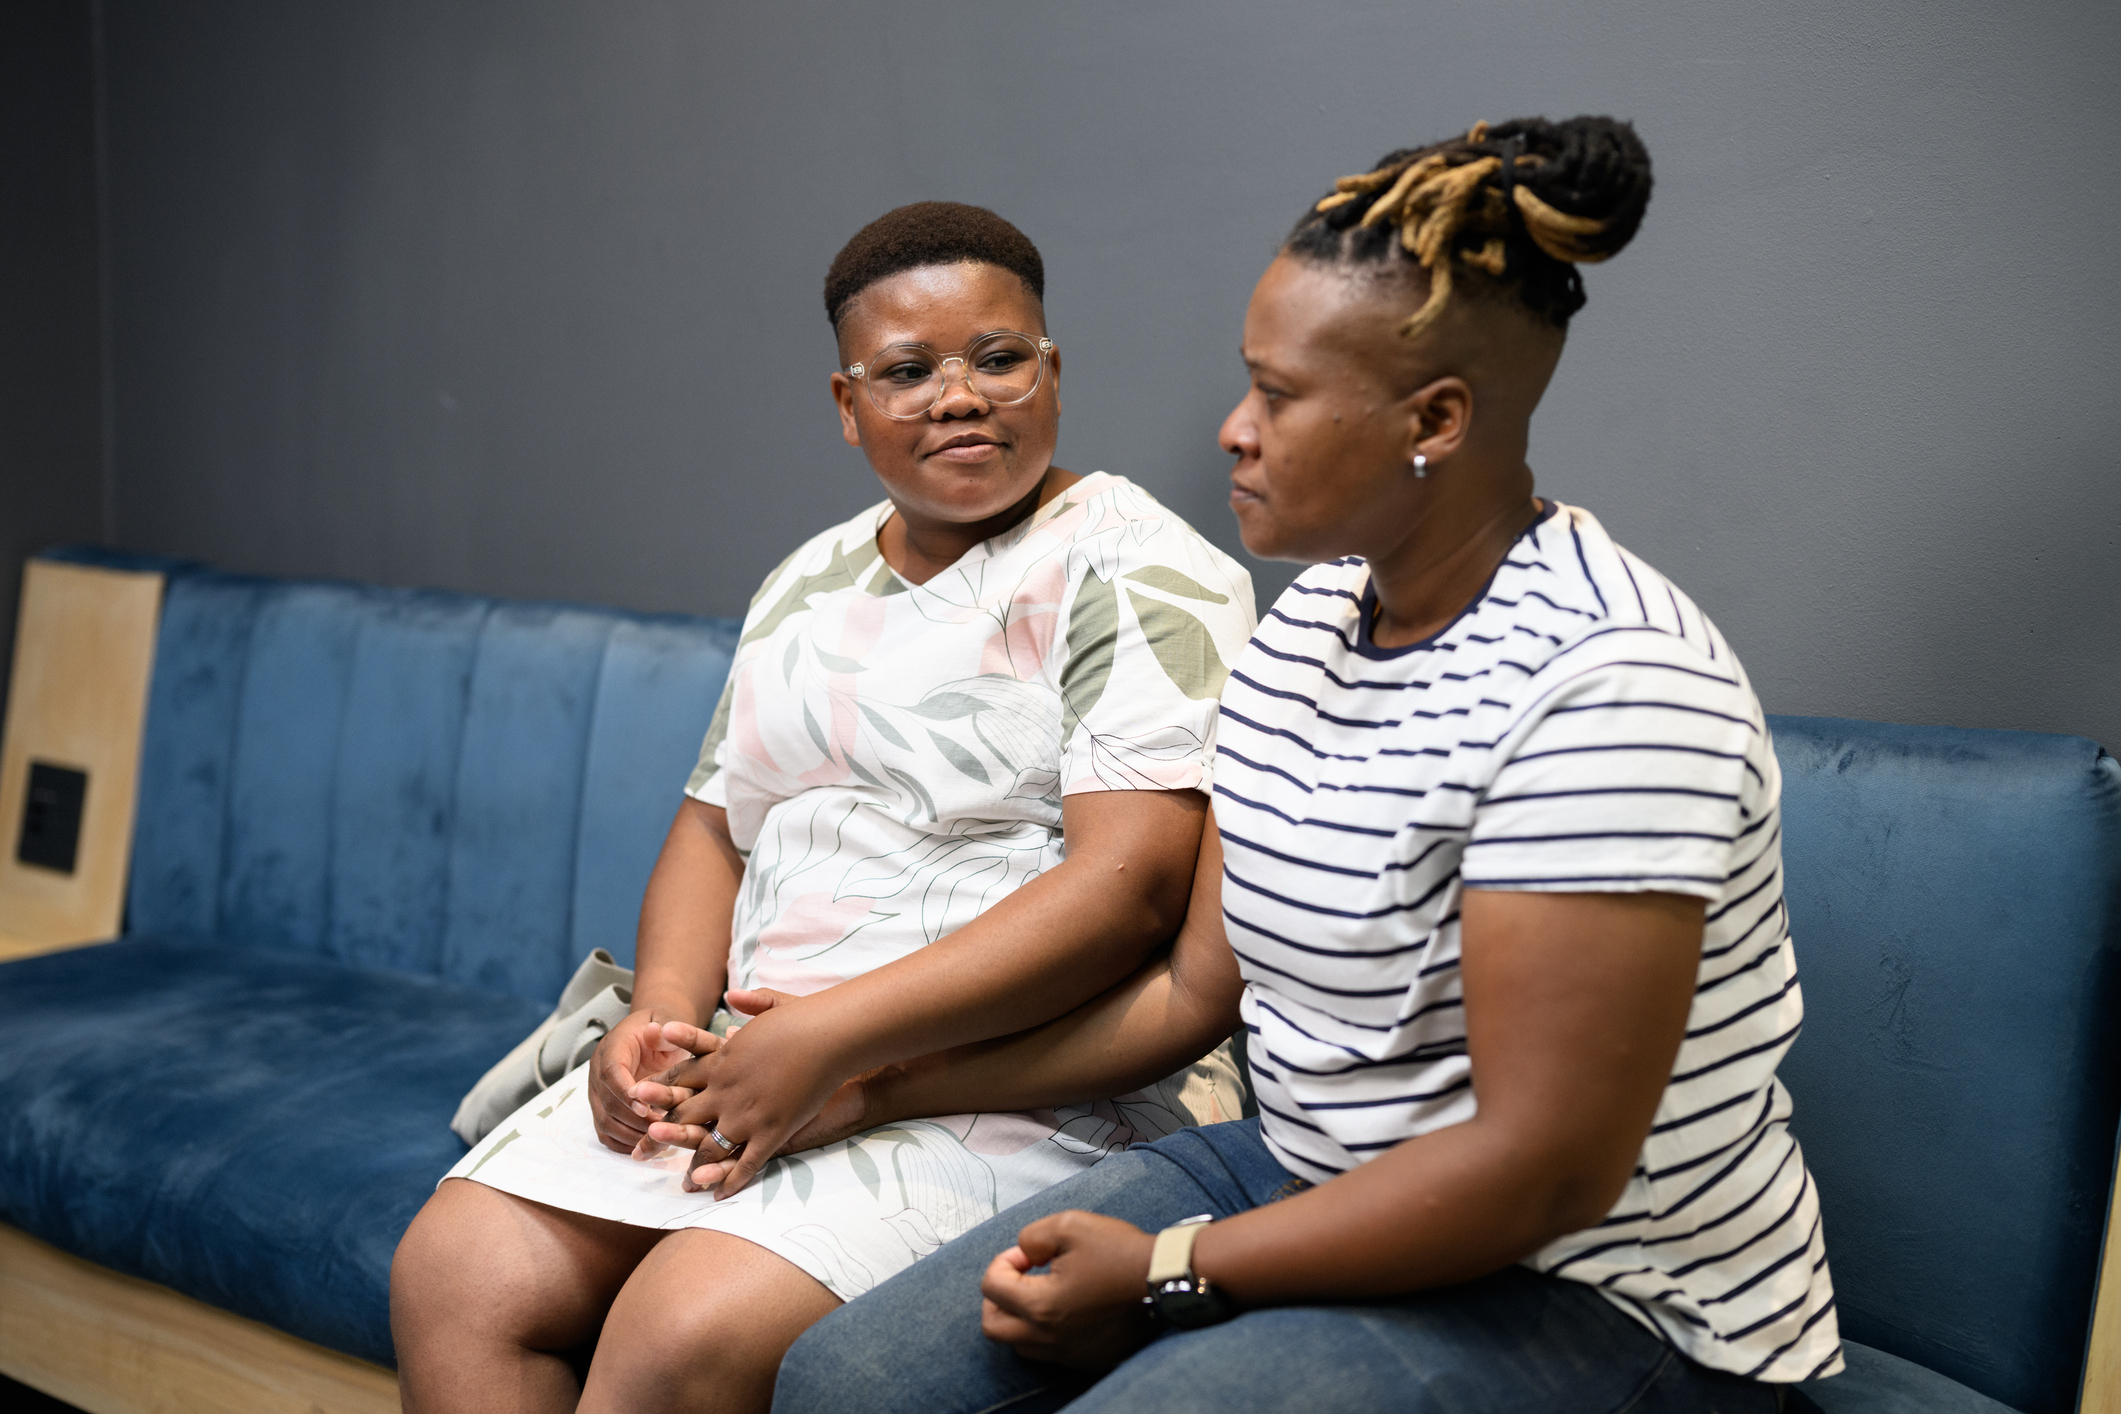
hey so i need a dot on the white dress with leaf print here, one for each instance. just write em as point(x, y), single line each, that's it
point(893, 758)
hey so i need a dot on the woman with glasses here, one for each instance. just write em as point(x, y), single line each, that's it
point(1493, 879)
point(954, 788)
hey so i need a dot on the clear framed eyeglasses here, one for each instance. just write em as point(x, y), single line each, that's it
point(1003, 368)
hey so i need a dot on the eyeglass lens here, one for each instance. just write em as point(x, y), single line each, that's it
point(906, 380)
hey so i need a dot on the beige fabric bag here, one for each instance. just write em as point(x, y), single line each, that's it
point(598, 999)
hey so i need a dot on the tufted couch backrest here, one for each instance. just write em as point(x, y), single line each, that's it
point(1955, 897)
point(433, 783)
point(476, 788)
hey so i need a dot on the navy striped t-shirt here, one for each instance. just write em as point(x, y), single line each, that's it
point(1581, 727)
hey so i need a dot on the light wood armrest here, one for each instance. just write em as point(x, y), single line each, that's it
point(2102, 1360)
point(84, 654)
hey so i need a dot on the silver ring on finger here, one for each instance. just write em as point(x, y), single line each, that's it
point(716, 1136)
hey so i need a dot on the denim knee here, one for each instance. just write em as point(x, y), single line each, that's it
point(915, 1344)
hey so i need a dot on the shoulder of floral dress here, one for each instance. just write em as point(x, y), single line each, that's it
point(842, 556)
point(852, 537)
point(1115, 504)
point(1159, 547)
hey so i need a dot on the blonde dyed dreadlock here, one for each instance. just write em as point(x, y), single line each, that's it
point(1522, 202)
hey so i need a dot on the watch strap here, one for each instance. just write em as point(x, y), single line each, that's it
point(1172, 1256)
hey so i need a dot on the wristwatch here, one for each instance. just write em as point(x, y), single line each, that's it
point(1177, 1297)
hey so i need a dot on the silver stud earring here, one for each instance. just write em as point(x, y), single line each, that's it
point(1421, 466)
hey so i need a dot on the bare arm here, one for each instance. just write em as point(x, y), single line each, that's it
point(1575, 1008)
point(1054, 943)
point(1167, 1015)
point(1173, 1010)
point(681, 965)
point(1065, 937)
point(682, 948)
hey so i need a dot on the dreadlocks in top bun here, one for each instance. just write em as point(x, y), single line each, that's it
point(1521, 204)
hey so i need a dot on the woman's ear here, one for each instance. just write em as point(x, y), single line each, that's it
point(843, 396)
point(1439, 419)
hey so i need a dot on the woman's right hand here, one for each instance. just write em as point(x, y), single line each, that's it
point(634, 1050)
point(848, 1111)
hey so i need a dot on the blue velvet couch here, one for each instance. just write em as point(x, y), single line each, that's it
point(378, 828)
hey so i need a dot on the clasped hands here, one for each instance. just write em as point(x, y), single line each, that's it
point(1084, 1309)
point(768, 1088)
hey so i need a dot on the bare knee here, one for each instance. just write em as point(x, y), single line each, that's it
point(426, 1272)
point(479, 1266)
point(703, 1322)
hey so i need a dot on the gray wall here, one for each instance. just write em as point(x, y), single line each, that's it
point(51, 402)
point(524, 297)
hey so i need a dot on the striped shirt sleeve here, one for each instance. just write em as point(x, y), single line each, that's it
point(1632, 771)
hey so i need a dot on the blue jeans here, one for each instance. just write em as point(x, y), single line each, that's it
point(1513, 1342)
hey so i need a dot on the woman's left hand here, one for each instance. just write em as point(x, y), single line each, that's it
point(770, 1078)
point(1086, 1310)
point(661, 1094)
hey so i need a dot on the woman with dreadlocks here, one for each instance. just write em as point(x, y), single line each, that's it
point(1492, 880)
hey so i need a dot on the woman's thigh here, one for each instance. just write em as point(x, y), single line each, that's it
point(702, 1324)
point(484, 1264)
point(1513, 1342)
point(914, 1343)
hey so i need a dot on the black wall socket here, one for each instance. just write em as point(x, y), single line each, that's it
point(51, 816)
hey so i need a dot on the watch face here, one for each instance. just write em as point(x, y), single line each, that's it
point(1178, 1304)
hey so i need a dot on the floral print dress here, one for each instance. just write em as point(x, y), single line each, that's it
point(893, 759)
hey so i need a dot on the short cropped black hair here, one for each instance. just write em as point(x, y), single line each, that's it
point(929, 233)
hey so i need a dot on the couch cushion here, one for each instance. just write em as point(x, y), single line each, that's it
point(432, 783)
point(1955, 897)
point(1878, 1383)
point(252, 1127)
